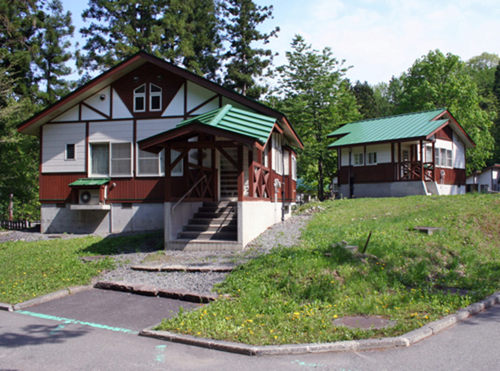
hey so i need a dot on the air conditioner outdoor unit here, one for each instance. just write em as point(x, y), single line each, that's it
point(88, 197)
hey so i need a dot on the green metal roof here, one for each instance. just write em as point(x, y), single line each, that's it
point(382, 129)
point(236, 120)
point(90, 182)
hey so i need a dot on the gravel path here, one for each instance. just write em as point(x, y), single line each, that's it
point(285, 234)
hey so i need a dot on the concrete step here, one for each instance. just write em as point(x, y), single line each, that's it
point(208, 236)
point(207, 215)
point(210, 228)
point(213, 221)
point(220, 204)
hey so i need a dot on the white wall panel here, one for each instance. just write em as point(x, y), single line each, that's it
point(55, 139)
point(383, 152)
point(207, 107)
point(111, 131)
point(458, 153)
point(148, 128)
point(197, 95)
point(176, 106)
point(96, 102)
point(120, 111)
point(70, 115)
point(88, 114)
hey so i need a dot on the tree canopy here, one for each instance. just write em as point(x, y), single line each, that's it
point(318, 99)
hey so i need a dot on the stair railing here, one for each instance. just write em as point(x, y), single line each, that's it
point(188, 192)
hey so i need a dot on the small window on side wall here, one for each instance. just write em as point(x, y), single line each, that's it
point(140, 99)
point(70, 152)
point(372, 158)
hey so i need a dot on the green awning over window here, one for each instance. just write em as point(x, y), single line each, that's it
point(90, 182)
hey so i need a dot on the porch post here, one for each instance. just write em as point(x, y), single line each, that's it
point(399, 161)
point(251, 174)
point(168, 176)
point(434, 160)
point(422, 171)
point(241, 178)
point(392, 161)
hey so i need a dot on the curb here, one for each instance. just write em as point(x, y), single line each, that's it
point(45, 298)
point(183, 268)
point(402, 341)
point(147, 290)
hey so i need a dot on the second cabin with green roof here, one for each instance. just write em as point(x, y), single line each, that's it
point(419, 153)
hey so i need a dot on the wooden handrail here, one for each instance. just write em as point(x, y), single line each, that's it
point(188, 192)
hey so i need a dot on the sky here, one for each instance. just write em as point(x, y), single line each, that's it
point(378, 38)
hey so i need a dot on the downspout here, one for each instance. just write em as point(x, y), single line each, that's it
point(283, 184)
point(349, 174)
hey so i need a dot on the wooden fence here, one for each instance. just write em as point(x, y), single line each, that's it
point(16, 224)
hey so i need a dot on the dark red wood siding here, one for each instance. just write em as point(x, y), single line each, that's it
point(445, 133)
point(367, 174)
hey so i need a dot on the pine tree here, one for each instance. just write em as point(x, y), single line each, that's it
point(245, 63)
point(53, 52)
point(183, 32)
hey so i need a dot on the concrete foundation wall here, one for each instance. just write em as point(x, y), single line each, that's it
point(448, 189)
point(254, 217)
point(139, 217)
point(396, 189)
point(182, 213)
point(63, 220)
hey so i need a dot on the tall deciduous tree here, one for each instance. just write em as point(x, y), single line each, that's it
point(53, 54)
point(181, 31)
point(318, 98)
point(439, 81)
point(245, 63)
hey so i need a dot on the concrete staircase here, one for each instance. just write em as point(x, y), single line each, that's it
point(214, 221)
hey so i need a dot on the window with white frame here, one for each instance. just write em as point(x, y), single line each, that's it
point(294, 167)
point(428, 153)
point(372, 158)
point(113, 159)
point(154, 98)
point(150, 163)
point(70, 152)
point(178, 170)
point(278, 153)
point(286, 160)
point(359, 159)
point(444, 157)
point(140, 99)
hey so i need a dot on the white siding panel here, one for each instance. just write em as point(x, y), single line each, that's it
point(120, 111)
point(111, 131)
point(176, 106)
point(70, 115)
point(197, 95)
point(55, 138)
point(96, 102)
point(207, 107)
point(88, 114)
point(148, 128)
point(383, 152)
point(235, 104)
point(458, 153)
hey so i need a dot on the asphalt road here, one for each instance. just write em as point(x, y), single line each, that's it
point(82, 333)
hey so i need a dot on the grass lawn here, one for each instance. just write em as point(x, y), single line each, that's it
point(293, 294)
point(31, 269)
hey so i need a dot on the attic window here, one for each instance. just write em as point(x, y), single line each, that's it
point(154, 98)
point(140, 99)
point(70, 151)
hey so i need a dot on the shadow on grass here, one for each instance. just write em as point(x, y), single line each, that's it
point(126, 243)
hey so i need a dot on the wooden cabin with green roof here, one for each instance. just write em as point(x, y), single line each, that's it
point(419, 153)
point(148, 145)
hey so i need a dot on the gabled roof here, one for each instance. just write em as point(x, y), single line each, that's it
point(419, 125)
point(236, 124)
point(33, 124)
point(237, 121)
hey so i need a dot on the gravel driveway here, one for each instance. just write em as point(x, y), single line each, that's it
point(285, 234)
